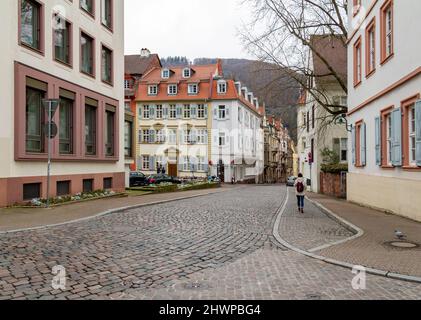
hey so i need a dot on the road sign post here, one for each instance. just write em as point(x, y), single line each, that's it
point(50, 105)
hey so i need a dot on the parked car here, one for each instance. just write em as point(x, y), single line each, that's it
point(291, 181)
point(161, 178)
point(138, 179)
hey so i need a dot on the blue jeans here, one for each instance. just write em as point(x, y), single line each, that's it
point(300, 201)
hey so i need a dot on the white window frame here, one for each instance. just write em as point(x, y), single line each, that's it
point(160, 136)
point(172, 89)
point(186, 111)
point(165, 74)
point(222, 87)
point(159, 111)
point(126, 84)
point(146, 112)
point(153, 90)
point(222, 112)
point(186, 73)
point(186, 163)
point(146, 162)
point(343, 146)
point(222, 139)
point(193, 88)
point(201, 163)
point(146, 135)
point(188, 136)
point(201, 111)
point(389, 138)
point(201, 136)
point(172, 111)
point(389, 31)
point(172, 136)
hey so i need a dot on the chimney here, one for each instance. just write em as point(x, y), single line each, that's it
point(145, 53)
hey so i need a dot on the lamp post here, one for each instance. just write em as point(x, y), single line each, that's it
point(50, 106)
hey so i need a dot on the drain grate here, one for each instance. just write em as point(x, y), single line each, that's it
point(403, 244)
point(196, 286)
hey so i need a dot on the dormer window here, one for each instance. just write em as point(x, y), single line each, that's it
point(153, 90)
point(222, 87)
point(187, 73)
point(165, 74)
point(126, 84)
point(172, 89)
point(193, 88)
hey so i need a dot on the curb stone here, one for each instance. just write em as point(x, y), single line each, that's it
point(105, 213)
point(373, 271)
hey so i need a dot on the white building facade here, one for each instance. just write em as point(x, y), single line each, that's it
point(72, 51)
point(384, 106)
point(237, 137)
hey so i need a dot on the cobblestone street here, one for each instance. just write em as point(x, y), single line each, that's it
point(218, 246)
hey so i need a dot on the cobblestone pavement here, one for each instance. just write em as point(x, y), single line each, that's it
point(217, 246)
point(311, 229)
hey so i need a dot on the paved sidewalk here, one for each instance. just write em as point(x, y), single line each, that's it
point(373, 248)
point(311, 229)
point(22, 218)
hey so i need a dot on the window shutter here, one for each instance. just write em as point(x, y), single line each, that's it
point(215, 113)
point(180, 163)
point(418, 132)
point(141, 136)
point(152, 136)
point(363, 144)
point(165, 112)
point(193, 136)
point(193, 111)
point(396, 137)
point(152, 112)
point(181, 136)
point(353, 136)
point(227, 112)
point(206, 111)
point(152, 163)
point(179, 111)
point(139, 163)
point(378, 141)
point(206, 137)
point(140, 114)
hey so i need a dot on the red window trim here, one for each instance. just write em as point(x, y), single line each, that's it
point(70, 64)
point(90, 14)
point(405, 104)
point(371, 27)
point(41, 49)
point(357, 47)
point(384, 114)
point(383, 57)
point(358, 144)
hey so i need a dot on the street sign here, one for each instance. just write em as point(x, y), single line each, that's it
point(54, 129)
point(53, 103)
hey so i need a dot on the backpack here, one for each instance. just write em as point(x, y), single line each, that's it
point(300, 187)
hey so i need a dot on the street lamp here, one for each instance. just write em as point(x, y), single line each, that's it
point(50, 106)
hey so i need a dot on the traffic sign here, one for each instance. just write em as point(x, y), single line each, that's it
point(54, 129)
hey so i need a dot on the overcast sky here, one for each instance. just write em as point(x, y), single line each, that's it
point(191, 28)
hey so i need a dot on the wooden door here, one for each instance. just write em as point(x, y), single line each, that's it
point(172, 170)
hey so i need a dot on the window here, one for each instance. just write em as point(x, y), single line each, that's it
point(30, 24)
point(201, 113)
point(128, 139)
point(145, 162)
point(340, 147)
point(160, 136)
point(34, 120)
point(109, 132)
point(165, 74)
point(173, 111)
point(153, 90)
point(127, 106)
point(188, 136)
point(186, 111)
point(31, 191)
point(88, 185)
point(412, 136)
point(356, 6)
point(146, 112)
point(313, 116)
point(186, 163)
point(87, 6)
point(87, 54)
point(202, 165)
point(146, 136)
point(240, 115)
point(201, 136)
point(108, 183)
point(107, 13)
point(159, 111)
point(172, 89)
point(66, 125)
point(186, 73)
point(63, 188)
point(172, 136)
point(127, 84)
point(386, 17)
point(370, 48)
point(62, 35)
point(222, 112)
point(388, 120)
point(222, 87)
point(304, 143)
point(107, 65)
point(90, 130)
point(386, 137)
point(222, 139)
point(193, 89)
point(357, 62)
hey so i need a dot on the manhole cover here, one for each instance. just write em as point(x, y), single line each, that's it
point(195, 286)
point(403, 244)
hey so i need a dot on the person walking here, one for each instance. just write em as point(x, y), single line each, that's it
point(300, 192)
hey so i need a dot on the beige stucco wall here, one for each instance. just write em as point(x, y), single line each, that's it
point(395, 195)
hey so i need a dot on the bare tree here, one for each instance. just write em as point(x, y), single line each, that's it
point(283, 32)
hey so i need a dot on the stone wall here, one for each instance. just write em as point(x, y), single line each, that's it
point(330, 185)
